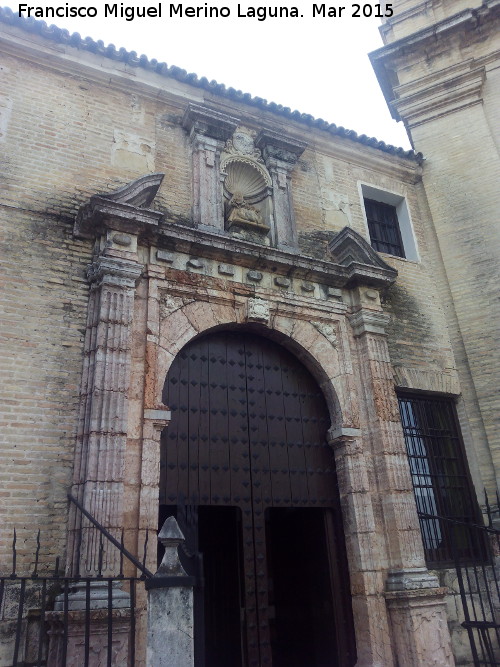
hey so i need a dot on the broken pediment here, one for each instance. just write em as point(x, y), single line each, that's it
point(352, 251)
point(125, 209)
point(140, 192)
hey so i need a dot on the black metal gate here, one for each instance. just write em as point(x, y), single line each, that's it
point(42, 623)
point(248, 433)
point(475, 551)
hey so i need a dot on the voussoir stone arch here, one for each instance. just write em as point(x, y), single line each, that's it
point(315, 344)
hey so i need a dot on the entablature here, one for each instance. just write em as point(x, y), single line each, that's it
point(123, 220)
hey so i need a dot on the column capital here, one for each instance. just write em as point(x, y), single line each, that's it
point(205, 142)
point(158, 417)
point(279, 150)
point(200, 120)
point(114, 270)
point(338, 435)
point(369, 321)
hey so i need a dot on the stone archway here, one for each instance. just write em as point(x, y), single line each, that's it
point(247, 446)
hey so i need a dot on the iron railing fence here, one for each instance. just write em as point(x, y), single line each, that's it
point(48, 618)
point(473, 576)
point(45, 614)
point(40, 619)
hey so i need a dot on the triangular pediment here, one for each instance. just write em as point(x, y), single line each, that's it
point(352, 251)
point(349, 247)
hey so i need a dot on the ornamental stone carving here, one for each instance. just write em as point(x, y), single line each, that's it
point(170, 303)
point(258, 311)
point(246, 188)
point(241, 180)
point(328, 331)
point(242, 144)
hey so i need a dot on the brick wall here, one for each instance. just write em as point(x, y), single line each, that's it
point(448, 92)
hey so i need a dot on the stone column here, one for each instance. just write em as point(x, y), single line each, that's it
point(413, 594)
point(365, 548)
point(114, 220)
point(170, 606)
point(154, 423)
point(280, 156)
point(156, 415)
point(102, 435)
point(208, 132)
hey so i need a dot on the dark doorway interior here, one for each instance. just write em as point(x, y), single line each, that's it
point(220, 544)
point(302, 619)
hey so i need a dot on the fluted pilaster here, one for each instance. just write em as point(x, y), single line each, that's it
point(102, 434)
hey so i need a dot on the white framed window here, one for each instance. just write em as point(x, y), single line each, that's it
point(388, 222)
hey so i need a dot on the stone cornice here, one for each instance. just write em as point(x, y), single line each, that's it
point(468, 19)
point(483, 19)
point(200, 119)
point(453, 89)
point(423, 11)
point(279, 147)
point(202, 243)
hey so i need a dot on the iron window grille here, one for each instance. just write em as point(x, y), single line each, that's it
point(383, 225)
point(443, 489)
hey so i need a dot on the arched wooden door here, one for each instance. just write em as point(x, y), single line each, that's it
point(247, 447)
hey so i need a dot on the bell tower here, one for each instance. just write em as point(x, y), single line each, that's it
point(440, 73)
point(411, 16)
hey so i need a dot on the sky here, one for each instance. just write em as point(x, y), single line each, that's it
point(316, 64)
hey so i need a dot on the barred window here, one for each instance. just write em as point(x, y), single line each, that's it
point(383, 225)
point(441, 481)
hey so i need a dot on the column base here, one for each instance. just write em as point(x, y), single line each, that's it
point(98, 596)
point(419, 626)
point(415, 578)
point(85, 622)
point(73, 626)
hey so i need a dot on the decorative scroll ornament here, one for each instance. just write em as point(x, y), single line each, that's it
point(242, 143)
point(124, 210)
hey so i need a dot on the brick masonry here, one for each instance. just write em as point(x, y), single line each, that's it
point(446, 87)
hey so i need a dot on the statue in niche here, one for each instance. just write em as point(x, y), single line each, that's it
point(246, 186)
point(240, 211)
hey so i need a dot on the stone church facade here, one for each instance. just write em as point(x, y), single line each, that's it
point(210, 300)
